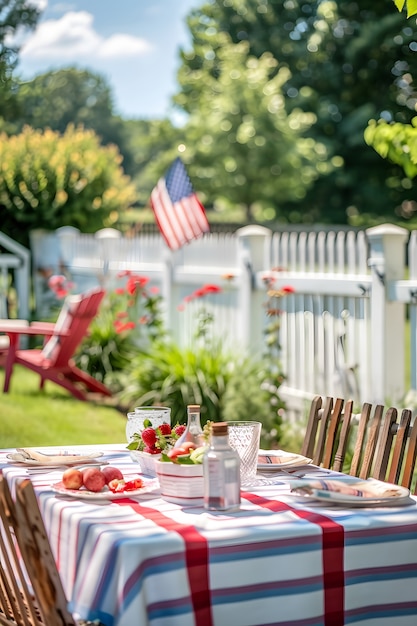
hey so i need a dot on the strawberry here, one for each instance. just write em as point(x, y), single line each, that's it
point(131, 485)
point(149, 437)
point(152, 450)
point(179, 429)
point(164, 429)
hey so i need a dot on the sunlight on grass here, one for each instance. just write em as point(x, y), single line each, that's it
point(31, 417)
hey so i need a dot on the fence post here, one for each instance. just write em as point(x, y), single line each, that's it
point(387, 263)
point(255, 256)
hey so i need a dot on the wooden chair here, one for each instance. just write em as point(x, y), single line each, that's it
point(383, 448)
point(31, 592)
point(395, 459)
point(54, 361)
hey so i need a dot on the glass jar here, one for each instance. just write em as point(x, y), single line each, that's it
point(155, 415)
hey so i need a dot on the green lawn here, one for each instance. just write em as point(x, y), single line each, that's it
point(30, 417)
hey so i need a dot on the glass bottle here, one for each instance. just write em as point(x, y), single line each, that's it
point(193, 432)
point(221, 470)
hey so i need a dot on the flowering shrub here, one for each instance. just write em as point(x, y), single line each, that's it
point(129, 345)
point(128, 321)
point(137, 307)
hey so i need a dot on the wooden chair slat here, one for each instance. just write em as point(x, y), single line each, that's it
point(410, 459)
point(399, 447)
point(332, 433)
point(308, 446)
point(374, 429)
point(344, 437)
point(325, 414)
point(383, 452)
point(360, 439)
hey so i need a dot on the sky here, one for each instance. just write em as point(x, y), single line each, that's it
point(134, 44)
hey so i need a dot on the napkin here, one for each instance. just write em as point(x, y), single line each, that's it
point(360, 489)
point(29, 454)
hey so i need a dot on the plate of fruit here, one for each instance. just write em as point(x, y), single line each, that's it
point(106, 483)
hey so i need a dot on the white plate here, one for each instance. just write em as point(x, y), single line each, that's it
point(275, 460)
point(106, 494)
point(54, 460)
point(399, 497)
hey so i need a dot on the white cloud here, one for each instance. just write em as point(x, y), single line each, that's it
point(120, 45)
point(72, 38)
point(39, 4)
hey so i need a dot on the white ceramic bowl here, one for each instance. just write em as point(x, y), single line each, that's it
point(145, 460)
point(182, 484)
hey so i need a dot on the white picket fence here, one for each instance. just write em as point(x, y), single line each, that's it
point(343, 330)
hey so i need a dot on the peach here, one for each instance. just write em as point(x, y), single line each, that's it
point(93, 479)
point(72, 478)
point(111, 473)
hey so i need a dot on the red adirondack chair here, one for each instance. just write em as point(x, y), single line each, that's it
point(54, 361)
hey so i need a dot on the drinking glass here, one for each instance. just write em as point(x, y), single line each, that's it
point(156, 415)
point(244, 437)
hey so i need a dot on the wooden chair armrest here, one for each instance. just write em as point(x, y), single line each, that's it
point(36, 328)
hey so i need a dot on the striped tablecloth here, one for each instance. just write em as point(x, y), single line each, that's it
point(134, 562)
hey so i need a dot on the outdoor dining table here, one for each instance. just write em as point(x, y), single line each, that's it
point(279, 560)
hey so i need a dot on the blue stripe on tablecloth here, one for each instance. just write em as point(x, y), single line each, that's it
point(261, 549)
point(393, 533)
point(268, 589)
point(375, 574)
point(379, 611)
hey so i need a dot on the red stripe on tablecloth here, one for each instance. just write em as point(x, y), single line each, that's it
point(333, 556)
point(196, 557)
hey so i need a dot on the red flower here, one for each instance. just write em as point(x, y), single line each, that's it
point(60, 293)
point(119, 291)
point(135, 283)
point(288, 289)
point(121, 327)
point(212, 289)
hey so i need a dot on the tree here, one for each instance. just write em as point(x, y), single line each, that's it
point(72, 96)
point(51, 180)
point(347, 61)
point(395, 141)
point(14, 15)
point(240, 142)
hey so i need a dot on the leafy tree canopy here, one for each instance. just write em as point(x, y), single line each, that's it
point(347, 62)
point(240, 141)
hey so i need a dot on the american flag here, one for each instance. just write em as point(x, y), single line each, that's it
point(179, 214)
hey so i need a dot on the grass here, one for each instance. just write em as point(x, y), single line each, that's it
point(31, 417)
